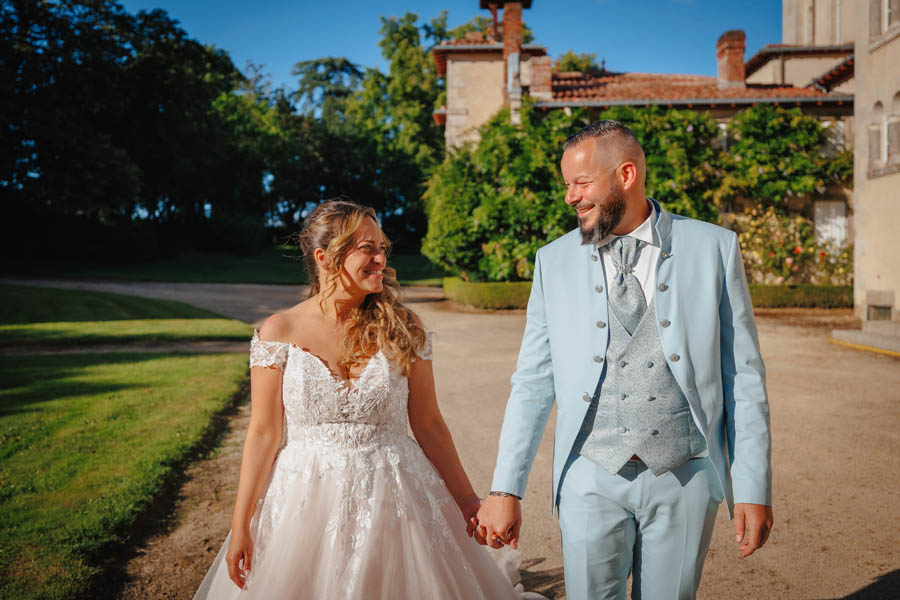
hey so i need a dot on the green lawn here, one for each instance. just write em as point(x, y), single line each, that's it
point(87, 440)
point(280, 264)
point(85, 443)
point(27, 304)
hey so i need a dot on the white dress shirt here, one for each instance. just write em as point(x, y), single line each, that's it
point(647, 255)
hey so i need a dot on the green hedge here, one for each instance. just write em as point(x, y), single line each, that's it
point(502, 294)
point(801, 295)
point(514, 294)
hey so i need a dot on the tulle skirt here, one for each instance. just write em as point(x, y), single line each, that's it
point(348, 521)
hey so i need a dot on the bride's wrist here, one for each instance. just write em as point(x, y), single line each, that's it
point(467, 500)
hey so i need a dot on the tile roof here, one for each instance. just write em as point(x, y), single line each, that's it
point(835, 76)
point(578, 89)
point(770, 51)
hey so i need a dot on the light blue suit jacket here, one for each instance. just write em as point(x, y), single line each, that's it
point(710, 344)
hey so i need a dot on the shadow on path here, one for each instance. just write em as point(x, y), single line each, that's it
point(549, 583)
point(886, 587)
point(159, 517)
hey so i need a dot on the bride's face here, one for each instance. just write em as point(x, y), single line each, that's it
point(363, 267)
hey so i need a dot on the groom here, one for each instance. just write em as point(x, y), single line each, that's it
point(640, 326)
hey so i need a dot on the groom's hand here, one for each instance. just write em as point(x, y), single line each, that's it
point(752, 525)
point(499, 521)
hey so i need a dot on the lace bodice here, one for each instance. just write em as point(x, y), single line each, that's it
point(321, 408)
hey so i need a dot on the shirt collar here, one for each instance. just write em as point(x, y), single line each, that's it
point(645, 232)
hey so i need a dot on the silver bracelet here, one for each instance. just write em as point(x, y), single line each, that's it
point(504, 495)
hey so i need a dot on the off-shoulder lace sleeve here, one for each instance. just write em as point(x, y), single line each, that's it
point(426, 352)
point(268, 354)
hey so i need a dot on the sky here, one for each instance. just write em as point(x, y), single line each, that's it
point(650, 36)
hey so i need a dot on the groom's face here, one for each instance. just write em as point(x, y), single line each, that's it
point(593, 190)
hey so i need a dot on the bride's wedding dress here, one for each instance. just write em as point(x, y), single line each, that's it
point(353, 508)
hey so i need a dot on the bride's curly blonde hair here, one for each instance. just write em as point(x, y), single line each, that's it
point(380, 322)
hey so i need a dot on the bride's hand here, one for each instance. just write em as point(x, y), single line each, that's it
point(469, 507)
point(239, 557)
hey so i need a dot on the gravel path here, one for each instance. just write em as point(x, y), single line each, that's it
point(836, 430)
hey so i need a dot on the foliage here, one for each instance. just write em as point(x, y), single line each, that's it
point(393, 111)
point(325, 84)
point(682, 173)
point(783, 249)
point(802, 295)
point(485, 25)
point(492, 206)
point(489, 295)
point(775, 154)
point(572, 61)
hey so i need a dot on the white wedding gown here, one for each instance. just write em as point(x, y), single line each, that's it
point(353, 508)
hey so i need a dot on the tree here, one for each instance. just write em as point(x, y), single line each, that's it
point(325, 84)
point(682, 161)
point(490, 207)
point(775, 153)
point(570, 61)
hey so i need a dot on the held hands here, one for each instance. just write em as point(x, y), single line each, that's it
point(239, 557)
point(498, 521)
point(752, 525)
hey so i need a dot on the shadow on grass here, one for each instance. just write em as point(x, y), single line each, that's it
point(51, 378)
point(158, 517)
point(549, 583)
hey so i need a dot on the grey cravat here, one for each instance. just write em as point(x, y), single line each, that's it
point(626, 297)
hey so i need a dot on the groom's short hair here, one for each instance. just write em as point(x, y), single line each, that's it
point(619, 133)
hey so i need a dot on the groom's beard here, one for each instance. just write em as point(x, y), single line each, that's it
point(609, 217)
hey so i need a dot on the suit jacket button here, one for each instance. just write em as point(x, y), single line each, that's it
point(601, 324)
point(665, 254)
point(586, 397)
point(663, 287)
point(598, 289)
point(665, 323)
point(598, 359)
point(594, 257)
point(674, 357)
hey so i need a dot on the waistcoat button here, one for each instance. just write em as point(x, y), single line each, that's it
point(623, 429)
point(651, 398)
point(622, 363)
point(654, 431)
point(622, 396)
point(649, 364)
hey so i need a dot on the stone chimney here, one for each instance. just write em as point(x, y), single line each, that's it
point(512, 34)
point(541, 78)
point(730, 59)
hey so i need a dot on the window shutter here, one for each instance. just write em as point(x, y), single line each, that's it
point(874, 147)
point(874, 19)
point(894, 140)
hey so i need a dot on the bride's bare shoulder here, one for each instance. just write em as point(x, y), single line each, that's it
point(284, 326)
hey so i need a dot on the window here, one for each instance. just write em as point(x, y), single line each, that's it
point(883, 15)
point(876, 138)
point(893, 132)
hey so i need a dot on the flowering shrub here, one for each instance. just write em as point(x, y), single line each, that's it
point(783, 249)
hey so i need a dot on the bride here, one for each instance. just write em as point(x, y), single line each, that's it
point(349, 506)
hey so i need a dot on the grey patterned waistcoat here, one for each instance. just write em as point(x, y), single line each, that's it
point(639, 408)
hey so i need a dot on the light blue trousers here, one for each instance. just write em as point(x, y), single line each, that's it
point(657, 527)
